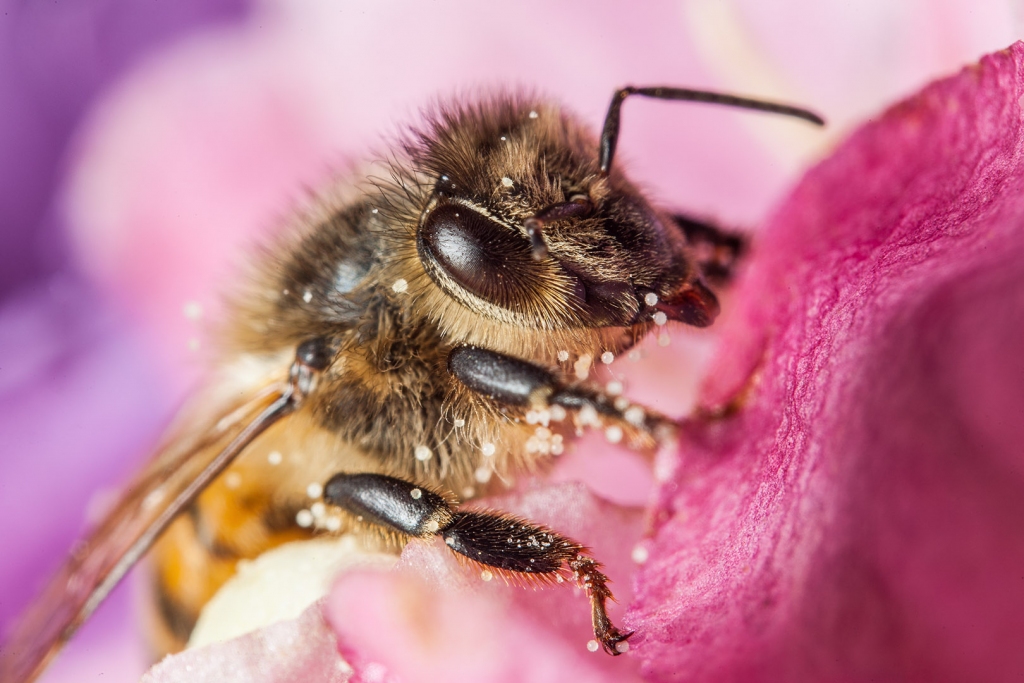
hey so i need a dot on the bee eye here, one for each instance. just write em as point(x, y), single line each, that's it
point(481, 256)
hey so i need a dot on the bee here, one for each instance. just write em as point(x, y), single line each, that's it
point(415, 333)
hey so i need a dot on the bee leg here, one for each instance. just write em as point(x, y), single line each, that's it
point(509, 544)
point(717, 250)
point(513, 382)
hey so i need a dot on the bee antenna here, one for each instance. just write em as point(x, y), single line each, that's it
point(610, 132)
point(578, 206)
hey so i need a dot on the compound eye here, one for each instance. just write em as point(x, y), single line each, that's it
point(480, 255)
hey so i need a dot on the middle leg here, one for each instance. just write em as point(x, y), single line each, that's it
point(511, 545)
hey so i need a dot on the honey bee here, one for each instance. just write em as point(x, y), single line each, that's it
point(416, 333)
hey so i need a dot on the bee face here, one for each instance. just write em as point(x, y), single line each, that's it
point(614, 263)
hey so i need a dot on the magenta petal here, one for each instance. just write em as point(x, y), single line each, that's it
point(862, 518)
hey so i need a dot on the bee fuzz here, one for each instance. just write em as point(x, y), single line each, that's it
point(582, 366)
point(487, 449)
point(613, 434)
point(400, 285)
point(507, 182)
point(304, 518)
point(422, 453)
point(660, 318)
point(233, 480)
point(640, 554)
point(563, 356)
point(416, 494)
point(314, 490)
point(193, 310)
point(607, 357)
point(307, 296)
point(592, 645)
point(274, 457)
point(651, 299)
point(533, 114)
point(482, 474)
point(486, 575)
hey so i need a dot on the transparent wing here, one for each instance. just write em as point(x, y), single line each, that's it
point(150, 502)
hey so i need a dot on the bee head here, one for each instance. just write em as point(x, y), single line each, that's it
point(522, 226)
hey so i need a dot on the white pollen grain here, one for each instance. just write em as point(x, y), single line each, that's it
point(660, 318)
point(304, 518)
point(592, 645)
point(314, 490)
point(400, 285)
point(582, 366)
point(504, 139)
point(640, 554)
point(613, 434)
point(557, 448)
point(607, 357)
point(622, 646)
point(557, 413)
point(333, 524)
point(193, 310)
point(621, 403)
point(374, 211)
point(482, 474)
point(664, 339)
point(468, 492)
point(274, 458)
point(487, 449)
point(563, 356)
point(651, 299)
point(318, 510)
point(431, 527)
point(416, 494)
point(307, 296)
point(460, 423)
point(533, 115)
point(588, 416)
point(507, 182)
point(614, 388)
point(422, 453)
point(486, 575)
point(233, 480)
point(634, 415)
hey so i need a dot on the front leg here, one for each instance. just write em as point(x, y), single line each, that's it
point(516, 384)
point(513, 546)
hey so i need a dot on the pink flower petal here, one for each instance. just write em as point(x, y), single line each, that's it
point(862, 517)
point(299, 650)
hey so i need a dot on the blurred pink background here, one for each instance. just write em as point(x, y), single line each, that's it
point(143, 150)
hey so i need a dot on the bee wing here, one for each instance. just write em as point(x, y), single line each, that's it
point(179, 473)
